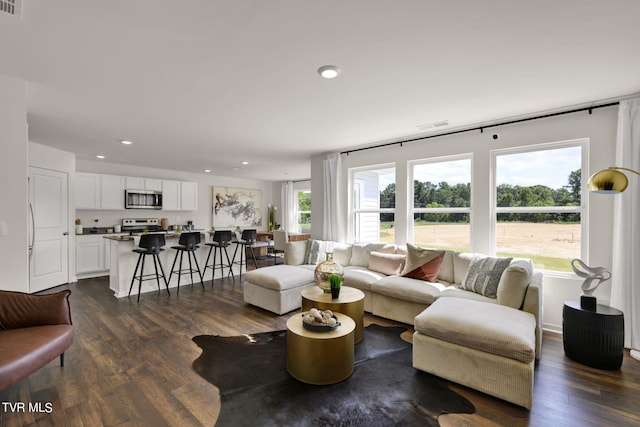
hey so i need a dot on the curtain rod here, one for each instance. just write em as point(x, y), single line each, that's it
point(482, 128)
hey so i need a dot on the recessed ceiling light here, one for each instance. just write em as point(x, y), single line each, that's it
point(329, 71)
point(207, 170)
point(244, 162)
point(100, 156)
point(125, 142)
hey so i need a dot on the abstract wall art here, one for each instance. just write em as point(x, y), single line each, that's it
point(236, 207)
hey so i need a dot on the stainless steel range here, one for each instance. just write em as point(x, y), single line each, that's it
point(132, 225)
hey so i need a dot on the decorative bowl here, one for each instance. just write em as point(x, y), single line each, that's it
point(317, 327)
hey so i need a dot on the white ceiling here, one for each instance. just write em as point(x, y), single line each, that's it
point(204, 84)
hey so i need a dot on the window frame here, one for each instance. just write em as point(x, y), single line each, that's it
point(412, 210)
point(298, 211)
point(583, 143)
point(354, 211)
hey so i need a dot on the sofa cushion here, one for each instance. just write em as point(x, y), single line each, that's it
point(422, 263)
point(446, 268)
point(25, 350)
point(280, 277)
point(386, 263)
point(461, 262)
point(48, 309)
point(360, 252)
point(457, 292)
point(491, 328)
point(295, 252)
point(360, 277)
point(514, 283)
point(342, 253)
point(483, 275)
point(408, 289)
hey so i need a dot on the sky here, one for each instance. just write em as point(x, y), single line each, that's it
point(548, 167)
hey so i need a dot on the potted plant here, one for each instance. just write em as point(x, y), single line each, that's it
point(336, 283)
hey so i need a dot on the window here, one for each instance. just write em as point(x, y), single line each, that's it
point(374, 202)
point(539, 212)
point(442, 203)
point(304, 210)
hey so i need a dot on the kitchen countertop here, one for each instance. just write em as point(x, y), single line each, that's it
point(124, 237)
point(90, 231)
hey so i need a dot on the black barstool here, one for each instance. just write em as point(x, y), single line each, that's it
point(220, 241)
point(188, 243)
point(246, 242)
point(150, 244)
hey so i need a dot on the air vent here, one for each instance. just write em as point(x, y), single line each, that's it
point(434, 125)
point(11, 7)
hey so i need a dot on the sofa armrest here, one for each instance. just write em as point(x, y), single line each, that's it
point(21, 310)
point(294, 252)
point(533, 304)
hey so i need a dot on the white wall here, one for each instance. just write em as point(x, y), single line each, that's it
point(14, 267)
point(599, 127)
point(202, 218)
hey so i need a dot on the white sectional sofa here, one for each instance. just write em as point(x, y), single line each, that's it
point(480, 330)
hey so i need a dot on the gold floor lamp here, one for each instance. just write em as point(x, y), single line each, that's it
point(612, 181)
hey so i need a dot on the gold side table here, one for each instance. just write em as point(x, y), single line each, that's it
point(320, 358)
point(350, 302)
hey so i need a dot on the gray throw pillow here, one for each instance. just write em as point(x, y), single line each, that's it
point(483, 275)
point(317, 251)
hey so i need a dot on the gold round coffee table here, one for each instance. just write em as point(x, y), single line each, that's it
point(320, 358)
point(350, 302)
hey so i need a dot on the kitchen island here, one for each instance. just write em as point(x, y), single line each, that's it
point(123, 264)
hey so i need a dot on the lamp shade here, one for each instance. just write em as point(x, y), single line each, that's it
point(608, 181)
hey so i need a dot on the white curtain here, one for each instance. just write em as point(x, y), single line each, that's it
point(289, 207)
point(625, 280)
point(332, 202)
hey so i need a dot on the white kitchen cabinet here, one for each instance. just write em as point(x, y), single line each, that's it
point(179, 195)
point(92, 256)
point(138, 183)
point(153, 184)
point(170, 195)
point(189, 196)
point(112, 192)
point(88, 191)
point(95, 191)
point(134, 183)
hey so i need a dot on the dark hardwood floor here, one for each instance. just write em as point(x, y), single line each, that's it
point(130, 365)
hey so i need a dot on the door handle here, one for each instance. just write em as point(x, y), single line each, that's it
point(66, 233)
point(33, 230)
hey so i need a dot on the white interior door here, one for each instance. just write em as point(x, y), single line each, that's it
point(48, 229)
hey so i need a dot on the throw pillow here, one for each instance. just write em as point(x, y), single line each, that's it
point(422, 263)
point(514, 283)
point(484, 275)
point(317, 251)
point(385, 263)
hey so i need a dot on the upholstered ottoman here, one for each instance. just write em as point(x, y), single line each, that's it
point(277, 288)
point(485, 346)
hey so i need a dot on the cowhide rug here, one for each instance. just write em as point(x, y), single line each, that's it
point(384, 390)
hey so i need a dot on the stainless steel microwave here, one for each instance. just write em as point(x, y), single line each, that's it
point(142, 199)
